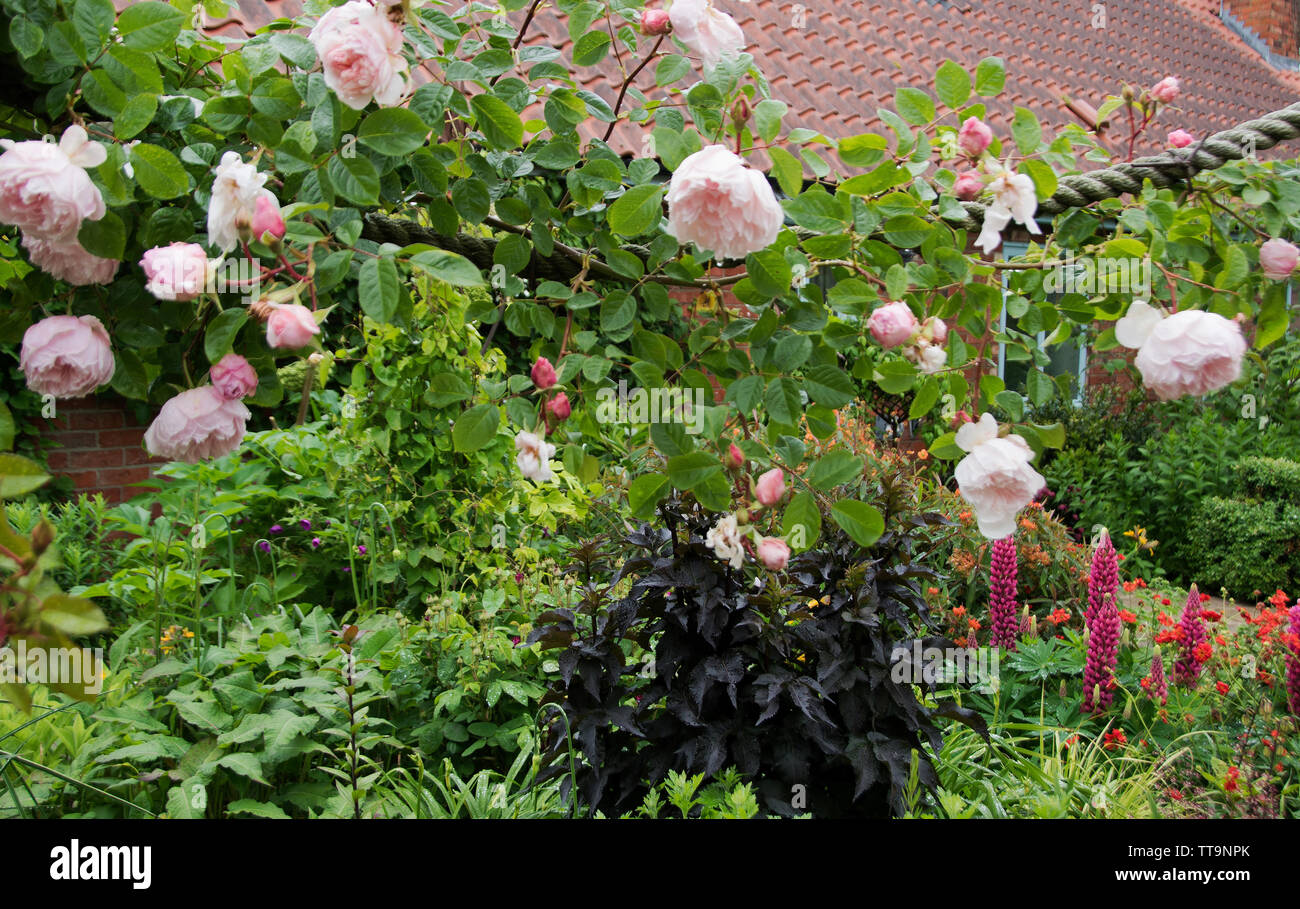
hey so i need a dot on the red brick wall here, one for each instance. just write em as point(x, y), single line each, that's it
point(1276, 21)
point(96, 441)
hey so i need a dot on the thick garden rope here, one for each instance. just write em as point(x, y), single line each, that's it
point(1174, 167)
point(1170, 168)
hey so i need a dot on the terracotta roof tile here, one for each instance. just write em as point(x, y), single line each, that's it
point(849, 57)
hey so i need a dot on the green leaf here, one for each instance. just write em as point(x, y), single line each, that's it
point(378, 288)
point(280, 731)
point(158, 172)
point(105, 238)
point(220, 335)
point(952, 84)
point(770, 272)
point(392, 131)
point(895, 376)
point(926, 397)
point(801, 524)
point(150, 26)
point(1272, 322)
point(1026, 131)
point(72, 615)
point(92, 19)
point(690, 470)
point(136, 115)
point(637, 211)
point(497, 121)
point(914, 105)
point(829, 385)
point(26, 36)
point(7, 428)
point(246, 765)
point(863, 523)
point(355, 178)
point(1012, 403)
point(449, 266)
point(591, 48)
point(834, 469)
point(990, 77)
point(945, 448)
point(257, 809)
point(645, 492)
point(476, 427)
point(783, 402)
point(787, 170)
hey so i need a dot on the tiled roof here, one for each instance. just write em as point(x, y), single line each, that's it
point(835, 62)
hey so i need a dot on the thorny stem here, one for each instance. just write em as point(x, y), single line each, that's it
point(622, 92)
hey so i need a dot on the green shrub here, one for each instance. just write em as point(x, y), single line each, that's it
point(1245, 546)
point(1271, 479)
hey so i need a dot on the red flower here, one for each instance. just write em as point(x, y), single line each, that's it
point(1203, 652)
point(1223, 687)
point(1127, 616)
point(1113, 739)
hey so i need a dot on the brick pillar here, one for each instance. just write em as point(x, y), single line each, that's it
point(96, 441)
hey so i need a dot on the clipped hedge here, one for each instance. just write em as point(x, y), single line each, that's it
point(1245, 546)
point(1269, 479)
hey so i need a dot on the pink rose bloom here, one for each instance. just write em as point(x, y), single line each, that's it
point(1181, 138)
point(1166, 90)
point(656, 22)
point(935, 329)
point(1277, 258)
point(68, 260)
point(360, 50)
point(290, 326)
point(892, 324)
point(974, 137)
point(44, 188)
point(718, 203)
point(197, 424)
point(774, 553)
point(967, 186)
point(770, 487)
point(559, 407)
point(178, 271)
point(1192, 352)
point(267, 218)
point(705, 31)
point(543, 373)
point(66, 356)
point(534, 456)
point(995, 477)
point(735, 457)
point(234, 377)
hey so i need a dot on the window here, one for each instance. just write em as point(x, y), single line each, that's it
point(1069, 357)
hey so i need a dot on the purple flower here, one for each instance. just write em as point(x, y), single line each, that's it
point(1002, 594)
point(1103, 653)
point(276, 528)
point(347, 569)
point(315, 542)
point(515, 640)
point(519, 577)
point(264, 546)
point(305, 524)
point(1103, 578)
point(1187, 668)
point(1159, 685)
point(361, 549)
point(327, 522)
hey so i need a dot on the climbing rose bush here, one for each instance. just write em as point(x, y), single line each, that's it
point(278, 196)
point(66, 356)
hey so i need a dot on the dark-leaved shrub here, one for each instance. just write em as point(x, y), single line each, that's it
point(787, 678)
